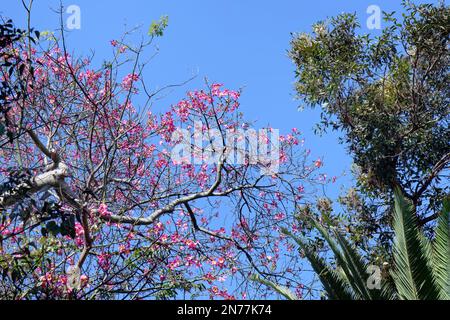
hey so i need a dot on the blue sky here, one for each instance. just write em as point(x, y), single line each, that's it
point(238, 43)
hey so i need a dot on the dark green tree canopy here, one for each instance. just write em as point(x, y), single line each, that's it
point(12, 65)
point(389, 95)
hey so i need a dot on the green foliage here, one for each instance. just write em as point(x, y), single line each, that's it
point(388, 95)
point(421, 268)
point(65, 228)
point(333, 281)
point(13, 66)
point(441, 251)
point(157, 27)
point(413, 272)
point(285, 292)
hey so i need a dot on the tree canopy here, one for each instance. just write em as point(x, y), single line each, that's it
point(105, 196)
point(388, 95)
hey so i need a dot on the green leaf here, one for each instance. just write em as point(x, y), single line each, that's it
point(355, 275)
point(285, 292)
point(336, 286)
point(441, 251)
point(157, 27)
point(52, 228)
point(68, 226)
point(412, 274)
point(358, 268)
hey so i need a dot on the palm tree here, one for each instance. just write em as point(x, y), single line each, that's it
point(421, 267)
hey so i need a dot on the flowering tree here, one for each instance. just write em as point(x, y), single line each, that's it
point(95, 204)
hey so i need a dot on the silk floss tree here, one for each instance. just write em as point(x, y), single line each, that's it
point(93, 204)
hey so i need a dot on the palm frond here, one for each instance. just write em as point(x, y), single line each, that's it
point(412, 273)
point(285, 292)
point(349, 260)
point(336, 286)
point(441, 251)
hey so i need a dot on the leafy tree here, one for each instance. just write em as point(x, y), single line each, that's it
point(421, 268)
point(389, 96)
point(12, 66)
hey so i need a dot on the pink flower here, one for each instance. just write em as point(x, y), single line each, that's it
point(51, 99)
point(182, 110)
point(114, 43)
point(215, 290)
point(103, 210)
point(220, 262)
point(209, 277)
point(279, 216)
point(103, 261)
point(158, 227)
point(127, 82)
point(318, 163)
point(124, 248)
point(84, 280)
point(79, 234)
point(191, 244)
point(174, 263)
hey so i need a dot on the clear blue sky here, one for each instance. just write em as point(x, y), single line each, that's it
point(239, 43)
